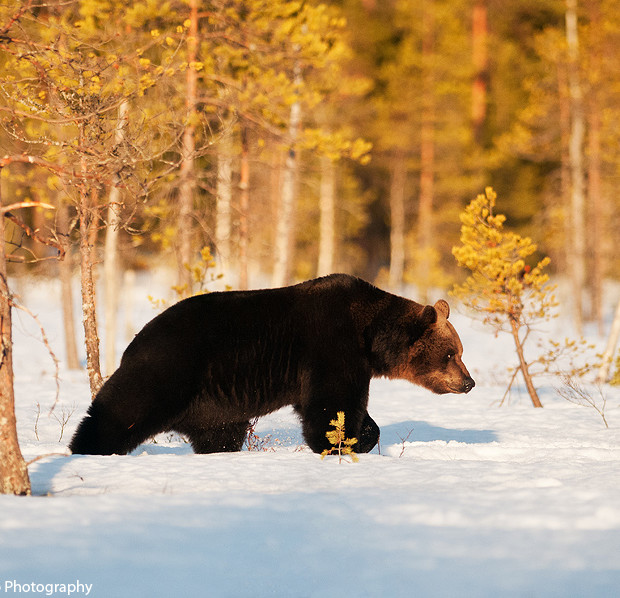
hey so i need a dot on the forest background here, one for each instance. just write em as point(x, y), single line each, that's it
point(276, 141)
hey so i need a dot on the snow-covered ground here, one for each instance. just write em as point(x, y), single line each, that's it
point(465, 498)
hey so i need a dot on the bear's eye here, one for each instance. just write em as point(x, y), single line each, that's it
point(449, 356)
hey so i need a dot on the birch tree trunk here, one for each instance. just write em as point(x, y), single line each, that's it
point(13, 471)
point(595, 187)
point(65, 267)
point(87, 212)
point(397, 220)
point(576, 259)
point(612, 341)
point(111, 272)
point(327, 208)
point(427, 158)
point(223, 205)
point(285, 227)
point(188, 148)
point(244, 206)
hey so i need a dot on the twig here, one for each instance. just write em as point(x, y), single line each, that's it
point(48, 347)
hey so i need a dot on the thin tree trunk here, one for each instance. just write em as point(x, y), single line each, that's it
point(327, 232)
point(608, 355)
point(524, 367)
point(479, 59)
point(565, 170)
point(595, 188)
point(244, 206)
point(87, 212)
point(111, 272)
point(397, 220)
point(89, 298)
point(427, 157)
point(13, 471)
point(65, 267)
point(285, 227)
point(577, 257)
point(188, 148)
point(223, 205)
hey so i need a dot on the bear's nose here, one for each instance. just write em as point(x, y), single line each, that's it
point(468, 384)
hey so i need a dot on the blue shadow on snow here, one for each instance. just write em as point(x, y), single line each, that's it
point(418, 431)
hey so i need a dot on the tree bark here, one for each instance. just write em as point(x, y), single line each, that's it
point(188, 149)
point(523, 365)
point(223, 205)
point(89, 297)
point(13, 471)
point(327, 229)
point(595, 187)
point(285, 227)
point(577, 245)
point(479, 60)
point(427, 157)
point(244, 207)
point(608, 355)
point(111, 272)
point(87, 212)
point(397, 220)
point(65, 267)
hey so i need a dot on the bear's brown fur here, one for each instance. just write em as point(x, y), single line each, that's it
point(210, 364)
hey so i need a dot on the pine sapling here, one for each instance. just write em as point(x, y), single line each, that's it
point(502, 288)
point(341, 446)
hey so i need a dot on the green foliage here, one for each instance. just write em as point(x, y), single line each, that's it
point(341, 446)
point(502, 286)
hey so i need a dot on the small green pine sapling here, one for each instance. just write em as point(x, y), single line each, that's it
point(341, 446)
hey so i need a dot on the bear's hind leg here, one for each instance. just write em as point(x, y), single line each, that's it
point(219, 438)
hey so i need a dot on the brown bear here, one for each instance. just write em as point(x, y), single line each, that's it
point(208, 365)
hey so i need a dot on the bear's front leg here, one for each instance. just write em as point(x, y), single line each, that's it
point(369, 435)
point(317, 422)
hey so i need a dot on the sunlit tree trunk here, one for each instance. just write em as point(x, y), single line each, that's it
point(595, 188)
point(244, 207)
point(427, 156)
point(65, 267)
point(87, 212)
point(111, 273)
point(327, 208)
point(397, 220)
point(13, 471)
point(608, 355)
point(524, 365)
point(223, 205)
point(188, 148)
point(565, 170)
point(577, 257)
point(285, 226)
point(480, 63)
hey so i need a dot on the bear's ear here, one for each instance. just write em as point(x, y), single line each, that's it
point(443, 308)
point(428, 317)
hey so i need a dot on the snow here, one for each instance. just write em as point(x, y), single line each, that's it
point(465, 498)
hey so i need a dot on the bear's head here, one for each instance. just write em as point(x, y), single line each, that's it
point(425, 349)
